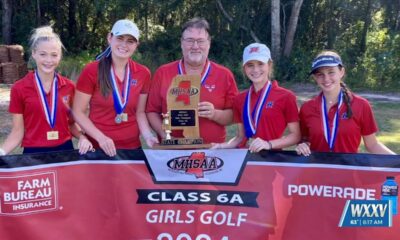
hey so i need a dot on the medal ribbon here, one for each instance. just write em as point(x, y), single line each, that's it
point(250, 121)
point(120, 102)
point(50, 114)
point(205, 75)
point(330, 134)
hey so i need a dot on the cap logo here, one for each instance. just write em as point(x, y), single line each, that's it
point(325, 61)
point(324, 58)
point(253, 49)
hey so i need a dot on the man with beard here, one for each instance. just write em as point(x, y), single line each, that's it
point(218, 86)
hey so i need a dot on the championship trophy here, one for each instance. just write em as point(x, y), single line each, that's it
point(182, 114)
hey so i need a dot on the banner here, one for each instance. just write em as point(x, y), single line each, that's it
point(198, 194)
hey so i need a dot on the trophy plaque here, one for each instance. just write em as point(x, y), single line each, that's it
point(183, 97)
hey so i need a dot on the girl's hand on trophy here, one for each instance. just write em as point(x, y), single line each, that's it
point(206, 110)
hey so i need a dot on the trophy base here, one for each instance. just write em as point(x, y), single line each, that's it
point(182, 143)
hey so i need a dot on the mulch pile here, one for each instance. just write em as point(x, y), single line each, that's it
point(12, 63)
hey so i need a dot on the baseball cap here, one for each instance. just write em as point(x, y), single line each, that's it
point(256, 51)
point(325, 61)
point(125, 26)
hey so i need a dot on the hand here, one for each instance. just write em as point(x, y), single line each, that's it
point(206, 110)
point(2, 152)
point(108, 146)
point(303, 149)
point(258, 144)
point(150, 140)
point(216, 146)
point(84, 145)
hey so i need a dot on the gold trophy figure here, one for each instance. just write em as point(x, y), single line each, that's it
point(166, 125)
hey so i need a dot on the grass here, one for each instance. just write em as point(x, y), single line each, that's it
point(387, 116)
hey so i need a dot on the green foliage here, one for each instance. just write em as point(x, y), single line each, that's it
point(387, 118)
point(71, 65)
point(366, 35)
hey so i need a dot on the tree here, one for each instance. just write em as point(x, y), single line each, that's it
point(230, 19)
point(294, 16)
point(38, 13)
point(275, 29)
point(6, 18)
point(367, 23)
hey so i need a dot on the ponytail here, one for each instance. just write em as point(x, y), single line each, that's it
point(347, 99)
point(104, 75)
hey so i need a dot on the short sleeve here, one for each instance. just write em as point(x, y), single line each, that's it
point(368, 123)
point(87, 81)
point(291, 109)
point(153, 100)
point(16, 100)
point(232, 91)
point(303, 123)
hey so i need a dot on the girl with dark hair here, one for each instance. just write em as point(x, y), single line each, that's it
point(115, 90)
point(336, 119)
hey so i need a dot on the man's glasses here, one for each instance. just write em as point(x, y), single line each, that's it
point(190, 41)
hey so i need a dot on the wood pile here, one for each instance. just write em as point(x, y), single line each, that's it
point(12, 63)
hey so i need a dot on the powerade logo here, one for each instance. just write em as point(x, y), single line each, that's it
point(366, 213)
point(197, 164)
point(26, 194)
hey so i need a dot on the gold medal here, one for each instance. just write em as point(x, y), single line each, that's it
point(52, 135)
point(124, 117)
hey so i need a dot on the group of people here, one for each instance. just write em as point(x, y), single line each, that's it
point(116, 100)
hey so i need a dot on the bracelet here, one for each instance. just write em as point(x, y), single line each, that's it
point(270, 145)
point(81, 133)
point(2, 152)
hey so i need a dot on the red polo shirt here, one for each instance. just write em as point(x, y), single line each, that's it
point(349, 132)
point(279, 110)
point(219, 88)
point(25, 100)
point(102, 113)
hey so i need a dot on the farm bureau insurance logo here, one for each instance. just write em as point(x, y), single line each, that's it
point(26, 194)
point(197, 164)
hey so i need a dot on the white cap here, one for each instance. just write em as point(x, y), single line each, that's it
point(256, 51)
point(125, 26)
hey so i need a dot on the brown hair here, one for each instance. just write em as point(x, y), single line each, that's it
point(103, 72)
point(345, 89)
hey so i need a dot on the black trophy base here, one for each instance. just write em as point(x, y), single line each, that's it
point(182, 143)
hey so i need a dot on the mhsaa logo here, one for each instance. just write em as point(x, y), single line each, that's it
point(27, 194)
point(197, 164)
point(366, 213)
point(184, 91)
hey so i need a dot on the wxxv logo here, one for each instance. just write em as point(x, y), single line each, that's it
point(26, 194)
point(366, 213)
point(197, 164)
